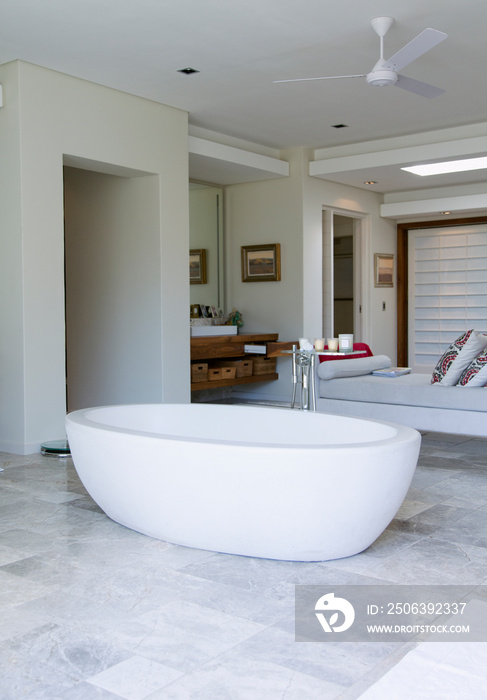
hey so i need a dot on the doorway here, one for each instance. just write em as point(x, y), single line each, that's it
point(342, 293)
point(112, 288)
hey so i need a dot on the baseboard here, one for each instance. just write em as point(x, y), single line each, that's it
point(16, 448)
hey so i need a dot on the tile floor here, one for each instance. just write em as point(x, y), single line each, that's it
point(91, 610)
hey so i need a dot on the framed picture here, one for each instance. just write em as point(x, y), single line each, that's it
point(261, 263)
point(384, 270)
point(197, 266)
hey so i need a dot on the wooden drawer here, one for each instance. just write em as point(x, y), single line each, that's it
point(242, 368)
point(264, 365)
point(212, 347)
point(214, 374)
point(199, 372)
point(227, 369)
point(206, 350)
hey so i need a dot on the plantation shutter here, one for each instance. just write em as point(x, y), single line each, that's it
point(447, 289)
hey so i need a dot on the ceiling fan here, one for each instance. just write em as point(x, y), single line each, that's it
point(384, 73)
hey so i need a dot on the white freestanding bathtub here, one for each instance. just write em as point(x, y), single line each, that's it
point(256, 481)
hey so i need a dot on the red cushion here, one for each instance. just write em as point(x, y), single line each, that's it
point(363, 348)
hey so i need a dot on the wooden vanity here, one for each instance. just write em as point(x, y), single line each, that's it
point(214, 350)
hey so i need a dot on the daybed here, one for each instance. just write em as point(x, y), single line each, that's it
point(410, 400)
point(349, 388)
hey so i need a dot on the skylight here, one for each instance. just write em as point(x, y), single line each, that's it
point(451, 166)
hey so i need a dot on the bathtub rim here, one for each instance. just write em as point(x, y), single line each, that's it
point(81, 418)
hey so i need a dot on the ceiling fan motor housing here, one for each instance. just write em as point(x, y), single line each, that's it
point(382, 78)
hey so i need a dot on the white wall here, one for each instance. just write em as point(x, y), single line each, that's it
point(57, 115)
point(289, 212)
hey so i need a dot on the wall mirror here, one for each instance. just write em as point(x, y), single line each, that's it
point(206, 233)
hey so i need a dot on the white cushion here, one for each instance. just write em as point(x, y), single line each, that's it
point(458, 357)
point(476, 372)
point(336, 369)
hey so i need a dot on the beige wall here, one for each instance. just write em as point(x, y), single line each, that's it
point(50, 116)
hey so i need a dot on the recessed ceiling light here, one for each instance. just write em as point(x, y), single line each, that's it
point(452, 166)
point(188, 71)
point(370, 182)
point(446, 212)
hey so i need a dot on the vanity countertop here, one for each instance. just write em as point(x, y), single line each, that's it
point(199, 331)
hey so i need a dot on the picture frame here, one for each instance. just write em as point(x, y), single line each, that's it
point(261, 263)
point(383, 270)
point(197, 266)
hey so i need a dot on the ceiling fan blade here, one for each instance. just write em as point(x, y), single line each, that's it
point(418, 87)
point(425, 41)
point(326, 77)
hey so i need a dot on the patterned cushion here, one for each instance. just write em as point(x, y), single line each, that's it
point(476, 372)
point(458, 357)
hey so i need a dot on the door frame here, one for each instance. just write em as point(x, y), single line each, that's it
point(358, 234)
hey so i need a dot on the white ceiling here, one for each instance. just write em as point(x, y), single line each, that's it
point(241, 46)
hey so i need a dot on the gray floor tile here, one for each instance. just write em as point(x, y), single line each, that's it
point(90, 610)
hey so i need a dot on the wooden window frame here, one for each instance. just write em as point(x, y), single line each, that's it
point(403, 271)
